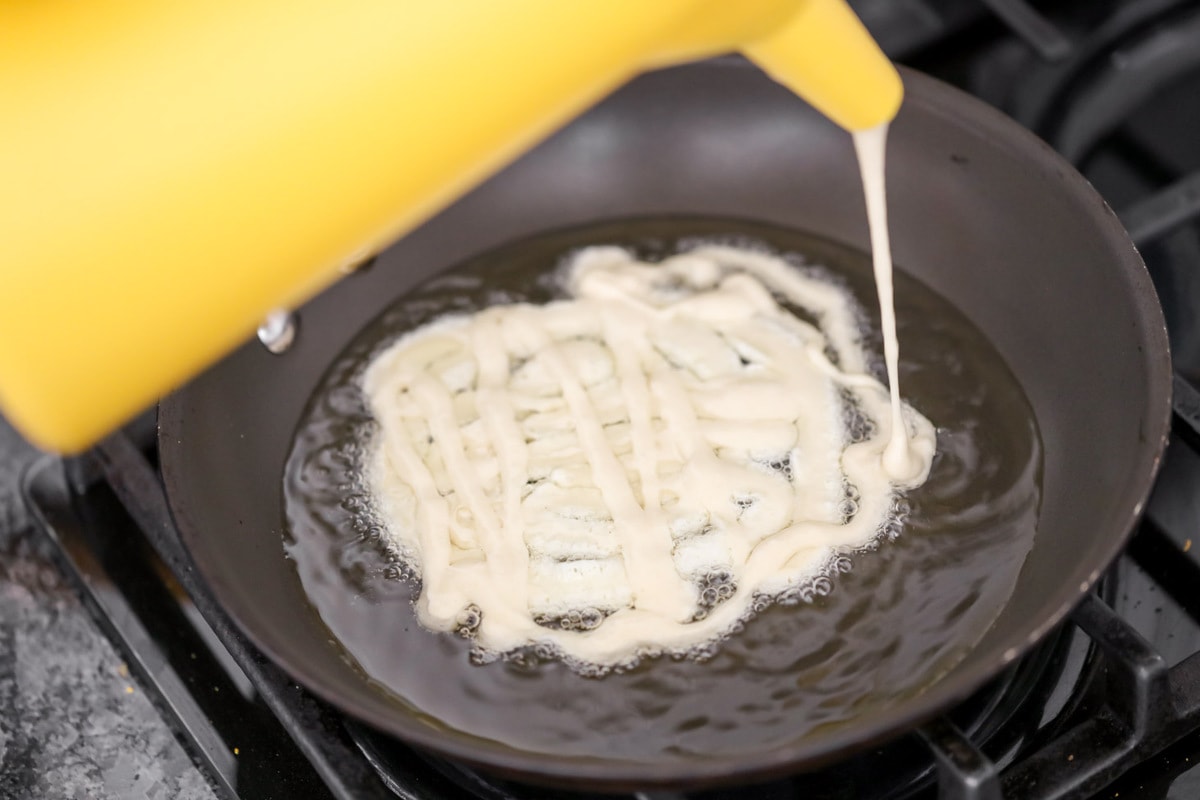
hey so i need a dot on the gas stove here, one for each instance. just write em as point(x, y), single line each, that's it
point(1107, 706)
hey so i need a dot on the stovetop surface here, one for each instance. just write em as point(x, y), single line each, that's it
point(74, 722)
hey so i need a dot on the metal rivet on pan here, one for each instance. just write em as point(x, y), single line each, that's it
point(278, 331)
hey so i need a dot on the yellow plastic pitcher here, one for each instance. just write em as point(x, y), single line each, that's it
point(170, 172)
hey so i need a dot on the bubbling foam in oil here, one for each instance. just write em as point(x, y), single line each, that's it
point(639, 467)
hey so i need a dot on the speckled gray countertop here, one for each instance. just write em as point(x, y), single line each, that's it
point(73, 723)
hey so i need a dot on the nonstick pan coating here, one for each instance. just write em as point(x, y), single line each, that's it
point(982, 212)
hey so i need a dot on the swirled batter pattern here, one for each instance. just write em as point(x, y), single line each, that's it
point(634, 468)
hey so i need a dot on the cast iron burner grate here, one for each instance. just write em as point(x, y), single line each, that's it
point(1091, 703)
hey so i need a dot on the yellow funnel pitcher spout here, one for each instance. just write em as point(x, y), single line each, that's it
point(824, 54)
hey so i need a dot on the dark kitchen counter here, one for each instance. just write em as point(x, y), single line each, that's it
point(73, 722)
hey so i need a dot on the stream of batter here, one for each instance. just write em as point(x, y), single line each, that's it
point(637, 467)
point(870, 146)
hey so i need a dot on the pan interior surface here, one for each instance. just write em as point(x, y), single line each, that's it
point(882, 626)
point(982, 213)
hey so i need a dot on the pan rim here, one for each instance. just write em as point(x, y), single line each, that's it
point(933, 97)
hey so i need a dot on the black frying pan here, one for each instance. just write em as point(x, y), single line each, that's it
point(982, 212)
